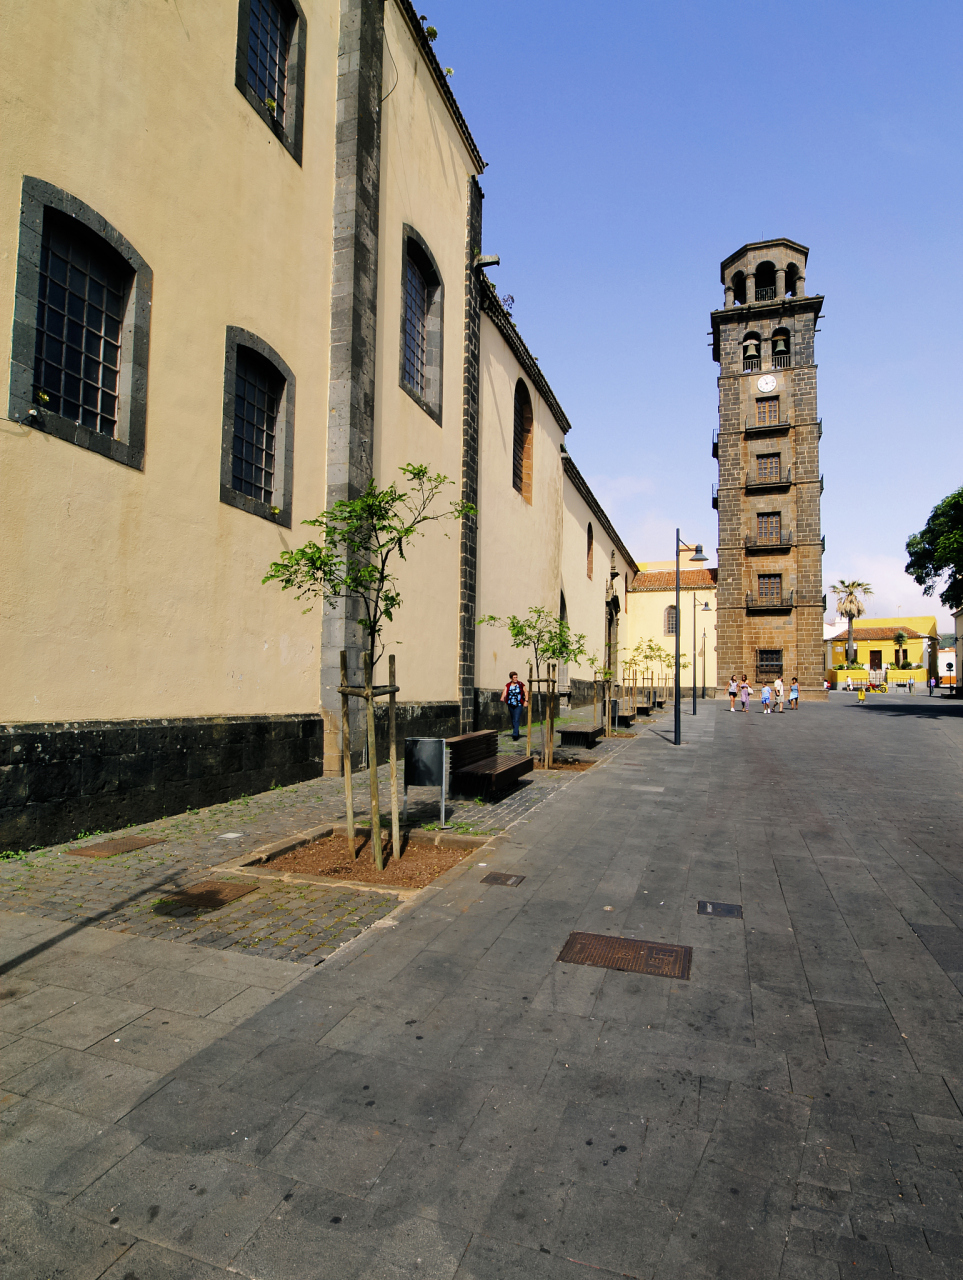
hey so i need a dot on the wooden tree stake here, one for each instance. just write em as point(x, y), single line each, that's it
point(393, 758)
point(528, 739)
point(373, 769)
point(346, 755)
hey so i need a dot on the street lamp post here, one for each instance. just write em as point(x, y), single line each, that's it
point(698, 558)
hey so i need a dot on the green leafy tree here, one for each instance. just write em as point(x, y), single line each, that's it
point(548, 638)
point(936, 552)
point(361, 537)
point(850, 595)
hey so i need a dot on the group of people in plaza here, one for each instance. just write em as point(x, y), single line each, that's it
point(770, 696)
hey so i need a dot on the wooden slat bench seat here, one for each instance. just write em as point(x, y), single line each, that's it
point(582, 737)
point(476, 767)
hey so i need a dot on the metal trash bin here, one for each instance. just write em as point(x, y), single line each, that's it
point(426, 765)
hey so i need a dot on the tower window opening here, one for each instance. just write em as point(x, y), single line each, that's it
point(767, 468)
point(589, 550)
point(770, 588)
point(751, 348)
point(767, 411)
point(522, 443)
point(765, 282)
point(792, 277)
point(769, 527)
point(739, 288)
point(781, 353)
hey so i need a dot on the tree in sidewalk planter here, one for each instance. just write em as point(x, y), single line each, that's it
point(850, 595)
point(361, 537)
point(649, 653)
point(547, 637)
point(936, 552)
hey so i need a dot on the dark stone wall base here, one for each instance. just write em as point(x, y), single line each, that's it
point(57, 780)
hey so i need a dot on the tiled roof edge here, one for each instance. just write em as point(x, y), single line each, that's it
point(640, 585)
point(503, 323)
point(579, 481)
point(441, 80)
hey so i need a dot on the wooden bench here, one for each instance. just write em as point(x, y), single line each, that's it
point(582, 737)
point(476, 768)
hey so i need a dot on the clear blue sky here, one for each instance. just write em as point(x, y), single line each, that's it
point(631, 147)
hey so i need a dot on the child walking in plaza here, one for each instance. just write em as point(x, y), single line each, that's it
point(745, 692)
point(794, 694)
point(766, 699)
point(733, 692)
point(515, 696)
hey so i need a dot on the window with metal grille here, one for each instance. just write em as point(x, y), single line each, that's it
point(770, 586)
point(522, 442)
point(767, 467)
point(258, 389)
point(768, 526)
point(670, 620)
point(767, 411)
point(769, 662)
point(416, 311)
point(80, 310)
point(268, 42)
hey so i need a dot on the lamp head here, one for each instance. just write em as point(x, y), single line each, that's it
point(699, 556)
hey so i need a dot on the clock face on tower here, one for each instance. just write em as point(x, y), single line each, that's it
point(766, 383)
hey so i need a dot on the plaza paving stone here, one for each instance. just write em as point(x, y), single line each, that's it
point(443, 1098)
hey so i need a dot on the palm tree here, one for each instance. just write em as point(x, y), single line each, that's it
point(850, 605)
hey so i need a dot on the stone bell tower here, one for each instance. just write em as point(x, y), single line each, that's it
point(770, 595)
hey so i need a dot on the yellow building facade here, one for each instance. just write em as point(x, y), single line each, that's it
point(242, 279)
point(883, 643)
point(650, 615)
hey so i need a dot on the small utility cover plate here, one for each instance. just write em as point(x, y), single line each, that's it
point(111, 848)
point(720, 909)
point(660, 959)
point(502, 877)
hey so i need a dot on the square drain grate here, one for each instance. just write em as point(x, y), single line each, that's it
point(659, 959)
point(733, 909)
point(206, 896)
point(502, 877)
point(110, 848)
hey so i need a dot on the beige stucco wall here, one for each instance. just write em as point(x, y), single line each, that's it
point(425, 171)
point(584, 596)
point(127, 593)
point(519, 543)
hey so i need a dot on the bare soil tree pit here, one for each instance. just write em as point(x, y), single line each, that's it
point(420, 863)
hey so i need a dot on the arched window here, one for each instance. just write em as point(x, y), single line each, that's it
point(421, 325)
point(751, 348)
point(522, 442)
point(781, 353)
point(765, 282)
point(739, 288)
point(670, 620)
point(589, 550)
point(792, 277)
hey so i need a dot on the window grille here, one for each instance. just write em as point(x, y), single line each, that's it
point(781, 361)
point(767, 467)
point(768, 527)
point(765, 293)
point(767, 411)
point(670, 617)
point(257, 395)
point(769, 662)
point(268, 42)
point(770, 587)
point(83, 292)
point(750, 364)
point(416, 311)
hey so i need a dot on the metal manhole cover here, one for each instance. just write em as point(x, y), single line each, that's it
point(110, 848)
point(720, 909)
point(502, 877)
point(660, 959)
point(206, 896)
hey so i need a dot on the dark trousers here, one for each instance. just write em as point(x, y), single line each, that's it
point(516, 714)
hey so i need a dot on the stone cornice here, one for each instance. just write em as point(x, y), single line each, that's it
point(580, 484)
point(502, 321)
point(410, 16)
